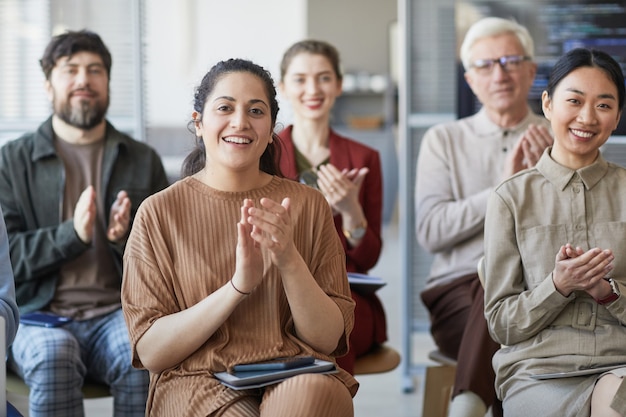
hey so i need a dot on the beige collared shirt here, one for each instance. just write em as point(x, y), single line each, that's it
point(529, 217)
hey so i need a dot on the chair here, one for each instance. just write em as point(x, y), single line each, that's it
point(381, 359)
point(438, 384)
point(91, 389)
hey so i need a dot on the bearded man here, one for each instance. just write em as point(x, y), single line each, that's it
point(69, 192)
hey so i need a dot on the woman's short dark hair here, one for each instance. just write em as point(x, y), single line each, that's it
point(195, 161)
point(70, 43)
point(582, 57)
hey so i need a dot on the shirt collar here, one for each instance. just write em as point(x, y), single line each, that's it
point(562, 176)
point(487, 127)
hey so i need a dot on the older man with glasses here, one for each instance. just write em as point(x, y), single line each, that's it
point(459, 164)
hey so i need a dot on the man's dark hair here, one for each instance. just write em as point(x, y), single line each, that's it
point(70, 43)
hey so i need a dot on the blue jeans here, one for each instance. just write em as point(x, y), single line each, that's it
point(54, 362)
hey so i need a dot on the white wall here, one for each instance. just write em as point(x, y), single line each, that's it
point(360, 29)
point(186, 37)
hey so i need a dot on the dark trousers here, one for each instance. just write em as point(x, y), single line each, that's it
point(459, 328)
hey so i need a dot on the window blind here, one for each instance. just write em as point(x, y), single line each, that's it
point(26, 27)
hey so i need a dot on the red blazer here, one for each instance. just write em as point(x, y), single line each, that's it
point(348, 154)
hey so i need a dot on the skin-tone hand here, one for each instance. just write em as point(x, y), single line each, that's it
point(528, 149)
point(119, 219)
point(577, 270)
point(249, 259)
point(273, 230)
point(85, 214)
point(341, 189)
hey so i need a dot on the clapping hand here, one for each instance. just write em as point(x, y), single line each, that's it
point(271, 229)
point(249, 259)
point(341, 188)
point(85, 214)
point(577, 270)
point(528, 149)
point(119, 219)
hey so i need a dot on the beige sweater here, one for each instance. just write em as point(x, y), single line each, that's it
point(182, 248)
point(459, 164)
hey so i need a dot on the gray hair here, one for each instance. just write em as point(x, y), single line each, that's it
point(493, 26)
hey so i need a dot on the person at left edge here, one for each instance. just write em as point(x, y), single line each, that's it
point(69, 192)
point(8, 306)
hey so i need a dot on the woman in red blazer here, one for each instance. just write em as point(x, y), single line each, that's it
point(347, 172)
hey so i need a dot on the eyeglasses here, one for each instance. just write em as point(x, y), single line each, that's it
point(508, 63)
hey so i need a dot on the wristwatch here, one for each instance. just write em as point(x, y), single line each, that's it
point(613, 296)
point(356, 233)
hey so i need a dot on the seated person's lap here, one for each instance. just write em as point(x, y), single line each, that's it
point(310, 395)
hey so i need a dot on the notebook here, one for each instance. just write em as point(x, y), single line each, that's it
point(365, 283)
point(257, 379)
point(580, 372)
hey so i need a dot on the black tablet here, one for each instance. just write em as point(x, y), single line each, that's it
point(276, 364)
point(39, 318)
point(256, 379)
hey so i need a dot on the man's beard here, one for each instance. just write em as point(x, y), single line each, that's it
point(84, 116)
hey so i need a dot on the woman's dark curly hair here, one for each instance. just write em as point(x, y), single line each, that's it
point(195, 161)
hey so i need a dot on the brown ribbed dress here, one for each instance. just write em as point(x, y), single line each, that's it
point(182, 248)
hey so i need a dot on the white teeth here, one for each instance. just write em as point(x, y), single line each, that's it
point(233, 139)
point(582, 134)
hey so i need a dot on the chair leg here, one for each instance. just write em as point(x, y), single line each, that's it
point(439, 382)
